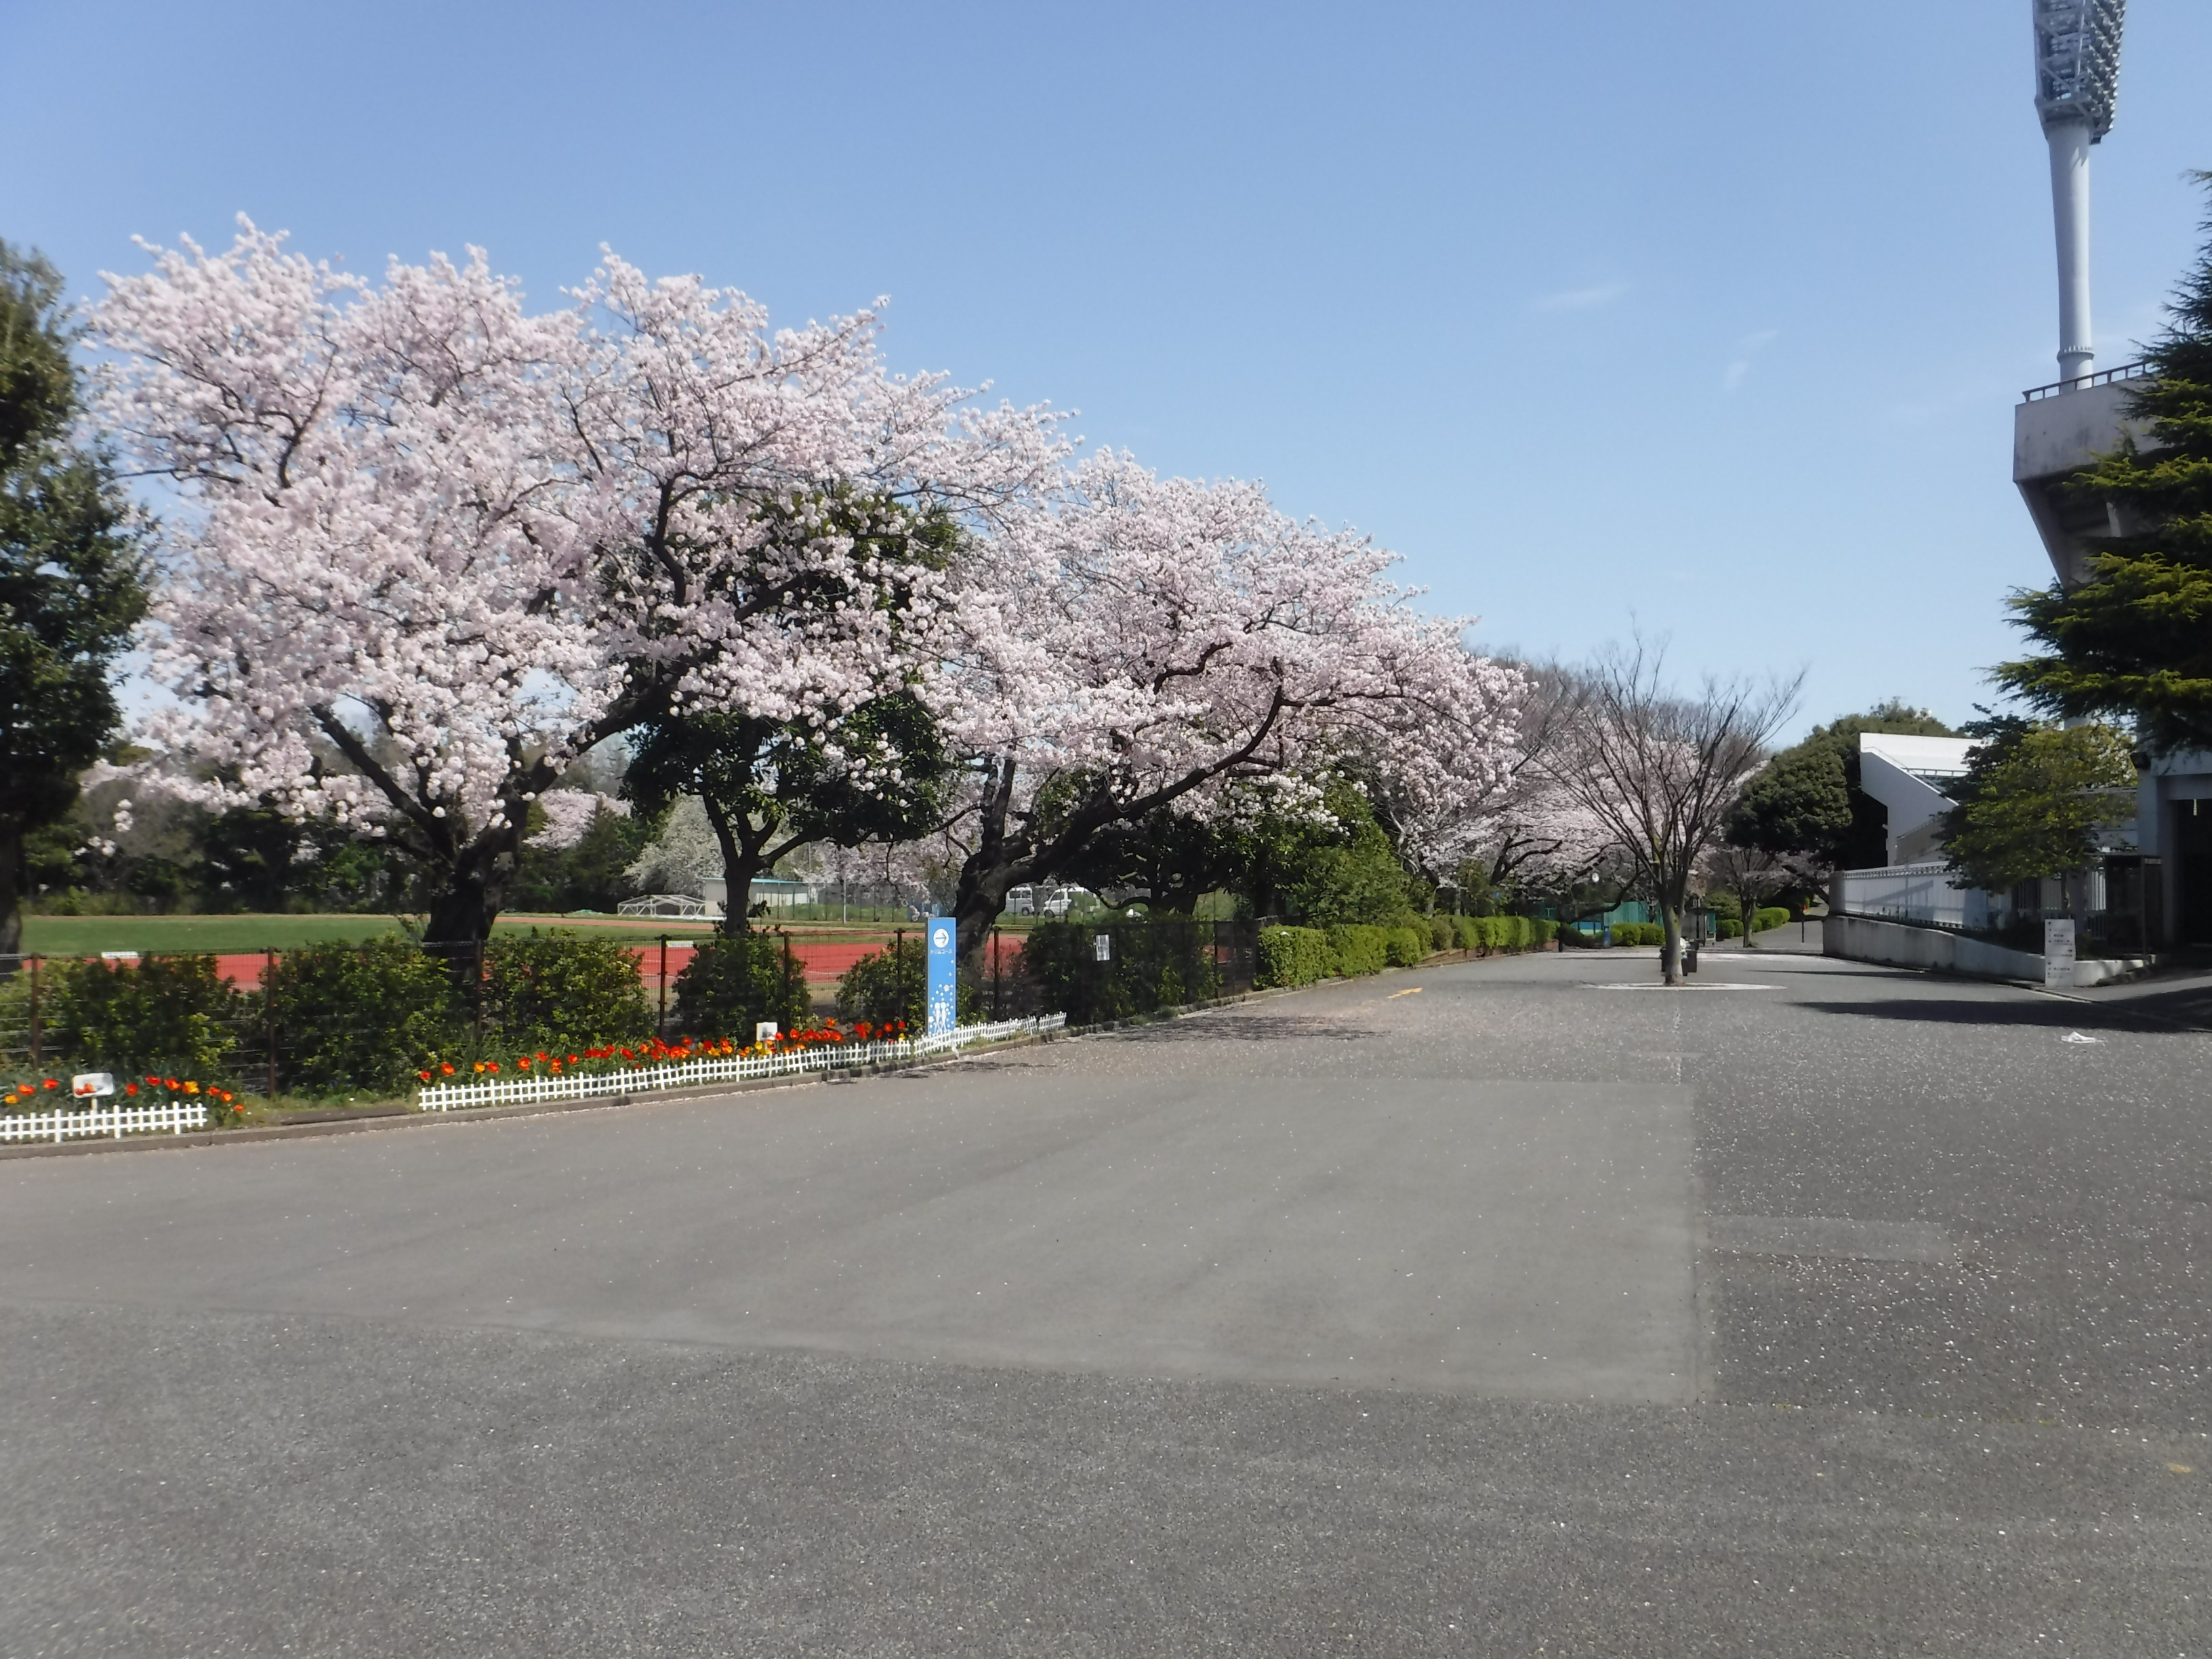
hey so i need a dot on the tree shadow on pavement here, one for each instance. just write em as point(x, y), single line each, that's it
point(2054, 1015)
point(1245, 1028)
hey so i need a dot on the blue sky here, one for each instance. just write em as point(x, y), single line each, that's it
point(1709, 314)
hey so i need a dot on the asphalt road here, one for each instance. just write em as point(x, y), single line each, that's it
point(1511, 1307)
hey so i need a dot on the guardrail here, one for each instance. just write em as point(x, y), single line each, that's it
point(2102, 377)
point(737, 1069)
point(104, 1122)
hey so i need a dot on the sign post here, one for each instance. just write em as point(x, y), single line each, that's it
point(943, 1004)
point(2058, 953)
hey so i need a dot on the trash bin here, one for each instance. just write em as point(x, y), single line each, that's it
point(1690, 956)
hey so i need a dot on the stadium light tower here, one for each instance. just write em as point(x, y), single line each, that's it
point(2078, 72)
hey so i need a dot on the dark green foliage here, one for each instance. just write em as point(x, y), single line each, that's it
point(2135, 641)
point(886, 986)
point(174, 1015)
point(1639, 933)
point(253, 859)
point(1294, 955)
point(2032, 801)
point(72, 577)
point(1405, 947)
point(1768, 917)
point(735, 980)
point(1357, 948)
point(563, 990)
point(1443, 936)
point(360, 1017)
point(1806, 803)
point(588, 876)
point(1490, 934)
point(1165, 962)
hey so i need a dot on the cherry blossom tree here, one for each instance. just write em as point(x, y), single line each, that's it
point(431, 548)
point(1133, 643)
point(1450, 805)
point(1661, 770)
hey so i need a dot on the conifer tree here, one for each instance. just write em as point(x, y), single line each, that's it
point(72, 579)
point(2135, 641)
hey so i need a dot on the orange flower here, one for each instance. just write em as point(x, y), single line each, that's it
point(493, 1068)
point(447, 1067)
point(128, 1089)
point(53, 1082)
point(192, 1088)
point(425, 1076)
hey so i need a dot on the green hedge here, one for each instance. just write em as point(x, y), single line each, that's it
point(1771, 915)
point(1731, 929)
point(1161, 962)
point(570, 991)
point(1356, 948)
point(1488, 934)
point(173, 1015)
point(734, 981)
point(1406, 947)
point(1294, 955)
point(1638, 932)
point(360, 1017)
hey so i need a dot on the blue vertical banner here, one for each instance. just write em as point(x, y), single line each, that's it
point(943, 976)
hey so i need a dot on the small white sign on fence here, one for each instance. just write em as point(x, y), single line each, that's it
point(2058, 953)
point(1103, 946)
point(765, 1031)
point(91, 1085)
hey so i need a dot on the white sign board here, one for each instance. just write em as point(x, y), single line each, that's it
point(87, 1085)
point(765, 1031)
point(1103, 946)
point(2058, 953)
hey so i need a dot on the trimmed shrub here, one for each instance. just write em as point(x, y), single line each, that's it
point(886, 986)
point(1638, 932)
point(1294, 955)
point(1730, 929)
point(565, 990)
point(1162, 962)
point(1542, 930)
point(735, 980)
point(1357, 949)
point(166, 1014)
point(1405, 947)
point(1443, 936)
point(1771, 915)
point(359, 1017)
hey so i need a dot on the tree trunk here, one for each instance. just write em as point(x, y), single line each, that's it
point(986, 875)
point(1670, 952)
point(741, 862)
point(11, 898)
point(473, 894)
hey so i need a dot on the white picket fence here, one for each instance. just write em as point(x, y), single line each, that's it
point(736, 1068)
point(104, 1122)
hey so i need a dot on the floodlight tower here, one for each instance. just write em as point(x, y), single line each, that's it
point(2078, 72)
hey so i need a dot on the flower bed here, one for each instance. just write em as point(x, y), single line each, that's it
point(652, 1066)
point(153, 1106)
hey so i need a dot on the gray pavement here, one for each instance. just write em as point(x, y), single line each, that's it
point(1509, 1307)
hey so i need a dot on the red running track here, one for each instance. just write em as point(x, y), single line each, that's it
point(825, 961)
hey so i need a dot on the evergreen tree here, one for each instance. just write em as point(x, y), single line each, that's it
point(1805, 805)
point(2135, 641)
point(72, 578)
point(2033, 800)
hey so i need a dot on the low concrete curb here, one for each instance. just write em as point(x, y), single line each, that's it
point(409, 1118)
